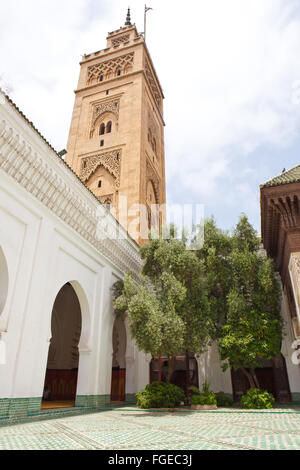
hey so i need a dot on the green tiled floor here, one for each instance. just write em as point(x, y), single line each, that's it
point(130, 428)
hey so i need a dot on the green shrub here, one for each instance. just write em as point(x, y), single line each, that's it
point(194, 389)
point(160, 395)
point(223, 400)
point(206, 397)
point(257, 399)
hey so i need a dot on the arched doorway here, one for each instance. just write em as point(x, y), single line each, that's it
point(63, 357)
point(118, 379)
point(3, 280)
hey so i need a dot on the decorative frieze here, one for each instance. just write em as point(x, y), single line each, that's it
point(43, 174)
point(287, 206)
point(111, 161)
point(152, 83)
point(153, 134)
point(120, 40)
point(153, 177)
point(109, 68)
point(108, 106)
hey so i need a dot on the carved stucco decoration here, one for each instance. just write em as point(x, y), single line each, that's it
point(123, 63)
point(107, 199)
point(40, 172)
point(111, 161)
point(120, 40)
point(152, 125)
point(110, 106)
point(153, 177)
point(152, 83)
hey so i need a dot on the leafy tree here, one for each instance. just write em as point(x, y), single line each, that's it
point(227, 291)
point(169, 311)
point(214, 255)
point(252, 330)
point(153, 313)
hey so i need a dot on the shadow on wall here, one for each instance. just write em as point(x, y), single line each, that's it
point(3, 280)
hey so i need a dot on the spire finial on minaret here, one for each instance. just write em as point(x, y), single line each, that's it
point(128, 19)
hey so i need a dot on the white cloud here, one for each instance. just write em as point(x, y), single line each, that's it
point(227, 70)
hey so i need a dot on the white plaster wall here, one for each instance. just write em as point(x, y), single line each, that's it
point(137, 365)
point(42, 254)
point(209, 370)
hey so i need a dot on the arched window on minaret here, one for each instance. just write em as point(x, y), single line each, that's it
point(108, 127)
point(102, 129)
point(118, 72)
point(101, 78)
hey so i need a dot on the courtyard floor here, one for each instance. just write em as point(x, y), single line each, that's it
point(130, 428)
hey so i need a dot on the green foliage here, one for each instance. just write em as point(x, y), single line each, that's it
point(257, 399)
point(223, 400)
point(245, 237)
point(160, 395)
point(122, 292)
point(249, 338)
point(227, 291)
point(215, 257)
point(205, 397)
point(194, 389)
point(168, 311)
point(201, 399)
point(244, 295)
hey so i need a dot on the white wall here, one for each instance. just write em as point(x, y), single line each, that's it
point(47, 239)
point(42, 255)
point(209, 370)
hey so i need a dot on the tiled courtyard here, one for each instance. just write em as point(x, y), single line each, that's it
point(131, 428)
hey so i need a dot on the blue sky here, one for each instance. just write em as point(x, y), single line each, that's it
point(230, 72)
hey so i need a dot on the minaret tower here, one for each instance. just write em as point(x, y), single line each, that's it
point(116, 140)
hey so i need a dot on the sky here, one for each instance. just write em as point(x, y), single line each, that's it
point(230, 72)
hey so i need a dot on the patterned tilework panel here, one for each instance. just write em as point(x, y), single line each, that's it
point(130, 428)
point(19, 409)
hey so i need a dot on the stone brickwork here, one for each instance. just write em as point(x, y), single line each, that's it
point(119, 111)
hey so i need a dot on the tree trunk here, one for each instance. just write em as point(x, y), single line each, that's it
point(255, 377)
point(249, 377)
point(171, 367)
point(159, 369)
point(187, 376)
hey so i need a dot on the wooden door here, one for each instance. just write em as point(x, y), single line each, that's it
point(118, 381)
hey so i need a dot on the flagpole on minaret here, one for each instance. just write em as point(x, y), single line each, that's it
point(145, 19)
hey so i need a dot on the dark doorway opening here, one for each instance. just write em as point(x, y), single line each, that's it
point(63, 357)
point(161, 369)
point(118, 378)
